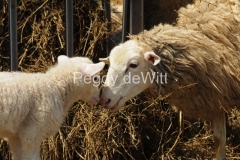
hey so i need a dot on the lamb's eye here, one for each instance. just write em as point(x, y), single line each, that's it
point(133, 65)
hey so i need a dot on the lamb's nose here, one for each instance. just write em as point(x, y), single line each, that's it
point(105, 102)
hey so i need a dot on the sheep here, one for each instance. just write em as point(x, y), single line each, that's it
point(193, 64)
point(33, 105)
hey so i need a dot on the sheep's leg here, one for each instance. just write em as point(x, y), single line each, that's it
point(15, 146)
point(30, 149)
point(219, 131)
point(31, 141)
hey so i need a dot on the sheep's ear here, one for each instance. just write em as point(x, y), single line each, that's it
point(92, 69)
point(62, 59)
point(151, 57)
point(105, 60)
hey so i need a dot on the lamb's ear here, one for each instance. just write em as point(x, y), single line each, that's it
point(151, 57)
point(105, 60)
point(62, 59)
point(92, 69)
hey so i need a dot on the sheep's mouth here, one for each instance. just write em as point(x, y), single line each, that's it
point(116, 105)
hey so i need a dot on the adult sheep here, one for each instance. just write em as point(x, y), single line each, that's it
point(194, 63)
point(33, 105)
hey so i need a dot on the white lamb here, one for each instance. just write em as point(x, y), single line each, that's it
point(33, 105)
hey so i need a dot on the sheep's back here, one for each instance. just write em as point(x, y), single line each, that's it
point(219, 20)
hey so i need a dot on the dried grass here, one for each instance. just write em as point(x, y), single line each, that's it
point(145, 129)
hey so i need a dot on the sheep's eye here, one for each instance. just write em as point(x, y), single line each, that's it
point(133, 65)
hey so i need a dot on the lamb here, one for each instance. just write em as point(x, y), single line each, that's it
point(197, 61)
point(33, 105)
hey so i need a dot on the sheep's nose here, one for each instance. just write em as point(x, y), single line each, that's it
point(105, 102)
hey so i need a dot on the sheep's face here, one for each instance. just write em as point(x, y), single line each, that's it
point(85, 78)
point(128, 74)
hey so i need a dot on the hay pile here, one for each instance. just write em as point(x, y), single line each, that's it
point(145, 129)
point(41, 31)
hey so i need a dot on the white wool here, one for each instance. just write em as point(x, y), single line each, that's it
point(33, 105)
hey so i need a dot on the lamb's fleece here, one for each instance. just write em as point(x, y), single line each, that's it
point(33, 105)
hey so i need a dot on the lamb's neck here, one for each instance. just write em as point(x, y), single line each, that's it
point(64, 83)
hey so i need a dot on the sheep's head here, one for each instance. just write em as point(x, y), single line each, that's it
point(86, 79)
point(128, 73)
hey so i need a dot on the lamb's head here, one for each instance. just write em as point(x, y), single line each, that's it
point(85, 77)
point(128, 74)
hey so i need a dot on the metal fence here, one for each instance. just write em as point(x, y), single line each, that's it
point(13, 31)
point(132, 23)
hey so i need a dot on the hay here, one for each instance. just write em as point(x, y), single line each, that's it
point(145, 128)
point(41, 33)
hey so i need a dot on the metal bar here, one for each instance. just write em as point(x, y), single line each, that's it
point(125, 21)
point(107, 9)
point(136, 16)
point(69, 28)
point(136, 26)
point(13, 35)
